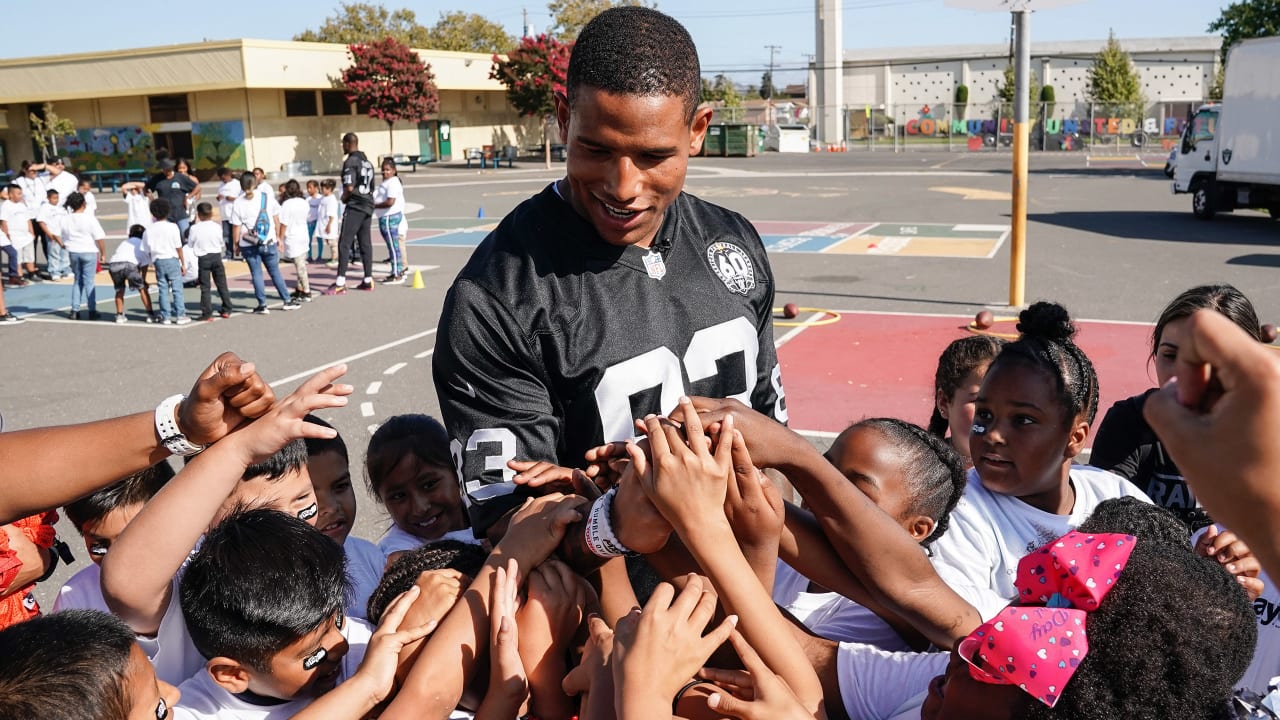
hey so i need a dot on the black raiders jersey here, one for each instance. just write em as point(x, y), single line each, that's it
point(357, 173)
point(552, 341)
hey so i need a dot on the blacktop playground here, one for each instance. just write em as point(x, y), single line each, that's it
point(889, 256)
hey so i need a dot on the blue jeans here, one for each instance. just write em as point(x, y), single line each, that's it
point(59, 260)
point(169, 278)
point(389, 226)
point(255, 257)
point(83, 291)
point(184, 224)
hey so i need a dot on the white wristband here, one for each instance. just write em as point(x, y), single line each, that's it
point(599, 530)
point(167, 428)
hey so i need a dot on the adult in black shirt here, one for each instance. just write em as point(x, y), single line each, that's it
point(611, 293)
point(173, 187)
point(357, 194)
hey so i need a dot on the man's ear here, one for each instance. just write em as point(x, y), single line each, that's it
point(698, 128)
point(562, 116)
point(229, 674)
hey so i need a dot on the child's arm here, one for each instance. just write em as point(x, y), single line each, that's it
point(548, 620)
point(592, 680)
point(136, 582)
point(448, 660)
point(757, 692)
point(508, 683)
point(83, 458)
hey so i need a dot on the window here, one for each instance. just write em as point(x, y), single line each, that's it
point(300, 103)
point(1204, 125)
point(334, 102)
point(168, 108)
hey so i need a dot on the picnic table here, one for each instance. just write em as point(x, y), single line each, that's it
point(115, 178)
point(404, 161)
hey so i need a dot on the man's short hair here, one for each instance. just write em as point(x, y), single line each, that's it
point(135, 489)
point(635, 50)
point(351, 138)
point(70, 665)
point(260, 581)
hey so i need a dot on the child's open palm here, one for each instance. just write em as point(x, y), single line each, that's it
point(284, 421)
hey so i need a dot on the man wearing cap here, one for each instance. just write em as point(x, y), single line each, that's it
point(174, 188)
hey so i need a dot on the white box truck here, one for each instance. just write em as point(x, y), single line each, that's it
point(1230, 153)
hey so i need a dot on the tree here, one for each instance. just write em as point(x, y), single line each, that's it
point(1113, 81)
point(1006, 91)
point(468, 32)
point(1246, 19)
point(389, 79)
point(767, 88)
point(533, 73)
point(47, 127)
point(568, 17)
point(365, 23)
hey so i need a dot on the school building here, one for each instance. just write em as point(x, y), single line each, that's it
point(241, 103)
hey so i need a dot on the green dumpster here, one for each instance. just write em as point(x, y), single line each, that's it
point(713, 144)
point(740, 140)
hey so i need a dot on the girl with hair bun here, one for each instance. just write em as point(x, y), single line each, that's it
point(1032, 418)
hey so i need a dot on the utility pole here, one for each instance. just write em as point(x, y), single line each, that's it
point(769, 114)
point(524, 14)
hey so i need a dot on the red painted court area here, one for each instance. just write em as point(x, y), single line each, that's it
point(882, 364)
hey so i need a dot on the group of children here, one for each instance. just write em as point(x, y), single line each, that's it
point(972, 569)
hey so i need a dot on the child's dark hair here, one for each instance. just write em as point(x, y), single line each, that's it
point(74, 202)
point(954, 365)
point(292, 189)
point(69, 665)
point(223, 171)
point(260, 581)
point(934, 470)
point(13, 186)
point(137, 231)
point(328, 183)
point(247, 181)
point(290, 458)
point(204, 211)
point(421, 435)
point(316, 446)
point(136, 489)
point(466, 558)
point(50, 193)
point(636, 50)
point(1222, 297)
point(1172, 637)
point(1046, 343)
point(159, 208)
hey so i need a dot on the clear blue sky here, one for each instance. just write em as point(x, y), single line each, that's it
point(731, 34)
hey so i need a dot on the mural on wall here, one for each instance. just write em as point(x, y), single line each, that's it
point(132, 147)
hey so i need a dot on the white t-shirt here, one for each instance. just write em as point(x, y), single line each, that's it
point(139, 208)
point(90, 204)
point(990, 533)
point(51, 215)
point(395, 540)
point(34, 190)
point(65, 183)
point(293, 215)
point(390, 189)
point(130, 251)
point(313, 207)
point(83, 591)
point(81, 232)
point(171, 651)
point(265, 187)
point(162, 240)
point(203, 699)
point(328, 211)
point(831, 615)
point(365, 563)
point(877, 684)
point(205, 238)
point(244, 212)
point(18, 216)
point(229, 189)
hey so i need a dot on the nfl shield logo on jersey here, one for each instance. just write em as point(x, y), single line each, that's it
point(731, 264)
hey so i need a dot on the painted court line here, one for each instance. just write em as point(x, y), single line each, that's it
point(366, 409)
point(373, 388)
point(394, 369)
point(357, 356)
point(424, 354)
point(796, 330)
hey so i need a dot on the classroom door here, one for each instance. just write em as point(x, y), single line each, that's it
point(427, 140)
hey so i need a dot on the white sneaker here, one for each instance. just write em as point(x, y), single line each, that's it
point(182, 320)
point(291, 305)
point(121, 319)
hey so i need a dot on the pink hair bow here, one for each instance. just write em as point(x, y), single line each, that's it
point(1038, 642)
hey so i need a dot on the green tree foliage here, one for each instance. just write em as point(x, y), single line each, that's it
point(767, 88)
point(47, 127)
point(1006, 89)
point(1113, 81)
point(468, 32)
point(568, 17)
point(1246, 19)
point(533, 73)
point(724, 91)
point(361, 22)
point(389, 79)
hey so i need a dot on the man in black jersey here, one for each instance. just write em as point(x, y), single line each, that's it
point(611, 293)
point(357, 194)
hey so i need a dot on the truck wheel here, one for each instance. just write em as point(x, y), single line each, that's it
point(1203, 203)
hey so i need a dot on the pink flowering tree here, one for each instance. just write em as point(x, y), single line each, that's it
point(533, 73)
point(390, 81)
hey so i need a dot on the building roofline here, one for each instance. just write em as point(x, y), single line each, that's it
point(947, 53)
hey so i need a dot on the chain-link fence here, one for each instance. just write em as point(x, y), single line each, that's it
point(1058, 127)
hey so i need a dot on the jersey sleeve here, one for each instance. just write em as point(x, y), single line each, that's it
point(767, 397)
point(495, 403)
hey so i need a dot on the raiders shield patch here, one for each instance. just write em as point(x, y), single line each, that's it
point(731, 264)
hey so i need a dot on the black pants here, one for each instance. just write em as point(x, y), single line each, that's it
point(210, 267)
point(355, 229)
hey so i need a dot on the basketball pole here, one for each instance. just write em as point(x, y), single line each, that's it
point(1021, 144)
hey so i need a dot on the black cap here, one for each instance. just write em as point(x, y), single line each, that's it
point(167, 164)
point(58, 160)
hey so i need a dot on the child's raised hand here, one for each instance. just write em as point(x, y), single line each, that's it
point(284, 421)
point(605, 463)
point(1224, 548)
point(755, 694)
point(439, 591)
point(687, 482)
point(543, 474)
point(537, 528)
point(769, 441)
point(752, 504)
point(381, 658)
point(594, 669)
point(548, 620)
point(657, 650)
point(226, 395)
point(508, 684)
point(636, 521)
